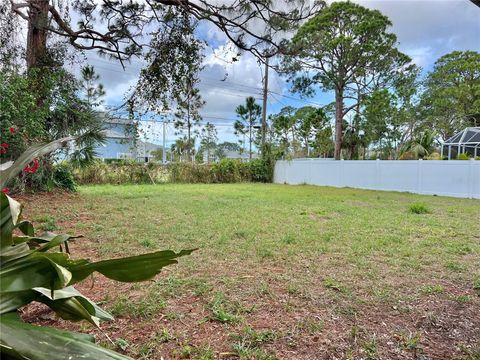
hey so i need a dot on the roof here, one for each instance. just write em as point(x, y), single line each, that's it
point(469, 137)
point(237, 155)
point(112, 134)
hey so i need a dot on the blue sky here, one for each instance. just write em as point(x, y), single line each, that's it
point(426, 30)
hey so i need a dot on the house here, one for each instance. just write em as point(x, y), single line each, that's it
point(119, 145)
point(244, 156)
point(230, 154)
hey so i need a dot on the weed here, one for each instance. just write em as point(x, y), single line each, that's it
point(370, 348)
point(288, 239)
point(333, 284)
point(476, 283)
point(196, 352)
point(454, 266)
point(146, 243)
point(47, 223)
point(122, 343)
point(264, 290)
point(293, 290)
point(146, 307)
point(355, 332)
point(461, 298)
point(244, 351)
point(346, 310)
point(222, 310)
point(264, 252)
point(311, 324)
point(252, 338)
point(418, 208)
point(432, 289)
point(163, 336)
point(409, 340)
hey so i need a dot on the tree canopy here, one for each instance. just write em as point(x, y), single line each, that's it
point(346, 48)
point(451, 100)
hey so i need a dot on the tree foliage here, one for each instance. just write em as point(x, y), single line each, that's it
point(249, 116)
point(451, 100)
point(345, 48)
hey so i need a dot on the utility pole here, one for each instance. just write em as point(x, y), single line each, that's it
point(164, 151)
point(264, 108)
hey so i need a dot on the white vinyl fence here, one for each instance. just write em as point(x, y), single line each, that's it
point(458, 178)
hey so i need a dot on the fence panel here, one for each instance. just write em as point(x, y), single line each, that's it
point(434, 177)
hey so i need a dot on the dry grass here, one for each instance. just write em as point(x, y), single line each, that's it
point(287, 272)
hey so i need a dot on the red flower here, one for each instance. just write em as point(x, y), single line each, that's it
point(4, 145)
point(12, 130)
point(32, 169)
point(5, 190)
point(3, 148)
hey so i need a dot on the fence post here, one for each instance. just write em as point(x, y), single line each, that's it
point(377, 174)
point(471, 181)
point(341, 180)
point(419, 175)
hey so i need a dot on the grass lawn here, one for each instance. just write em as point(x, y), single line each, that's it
point(282, 272)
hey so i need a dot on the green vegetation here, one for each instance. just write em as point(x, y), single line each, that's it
point(418, 208)
point(130, 172)
point(34, 268)
point(278, 266)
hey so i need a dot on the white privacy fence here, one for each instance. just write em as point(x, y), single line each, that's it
point(458, 178)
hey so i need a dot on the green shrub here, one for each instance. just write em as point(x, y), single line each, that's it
point(63, 178)
point(230, 171)
point(463, 157)
point(128, 172)
point(418, 208)
point(261, 170)
point(192, 173)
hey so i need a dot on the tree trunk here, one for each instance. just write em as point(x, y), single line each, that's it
point(250, 140)
point(37, 33)
point(338, 122)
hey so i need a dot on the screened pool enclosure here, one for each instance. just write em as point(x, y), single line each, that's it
point(465, 142)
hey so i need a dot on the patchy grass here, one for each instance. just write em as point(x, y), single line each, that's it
point(419, 208)
point(287, 272)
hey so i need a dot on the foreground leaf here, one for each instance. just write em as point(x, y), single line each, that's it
point(19, 340)
point(10, 212)
point(130, 269)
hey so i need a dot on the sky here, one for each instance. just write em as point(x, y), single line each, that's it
point(426, 30)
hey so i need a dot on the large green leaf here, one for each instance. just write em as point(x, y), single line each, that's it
point(70, 304)
point(19, 340)
point(26, 158)
point(130, 269)
point(13, 300)
point(10, 212)
point(37, 270)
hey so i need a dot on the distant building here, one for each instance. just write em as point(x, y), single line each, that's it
point(229, 154)
point(240, 156)
point(119, 145)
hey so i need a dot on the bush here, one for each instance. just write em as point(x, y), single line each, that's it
point(225, 171)
point(62, 178)
point(192, 173)
point(463, 157)
point(418, 208)
point(230, 171)
point(261, 170)
point(47, 177)
point(434, 156)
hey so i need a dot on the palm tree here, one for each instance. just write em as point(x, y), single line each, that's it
point(249, 116)
point(421, 145)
